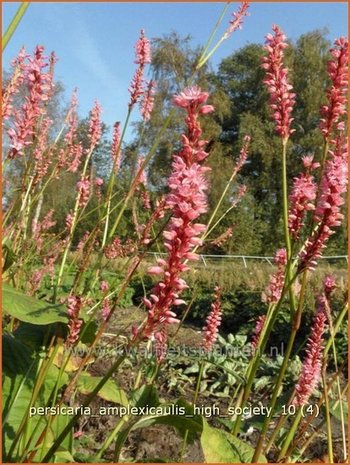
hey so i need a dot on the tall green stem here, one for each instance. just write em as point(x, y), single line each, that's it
point(14, 24)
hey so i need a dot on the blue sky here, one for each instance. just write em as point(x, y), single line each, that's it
point(94, 41)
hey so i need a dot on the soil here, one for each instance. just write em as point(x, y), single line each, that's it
point(160, 442)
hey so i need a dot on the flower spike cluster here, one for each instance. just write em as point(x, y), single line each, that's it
point(328, 209)
point(187, 201)
point(39, 85)
point(282, 100)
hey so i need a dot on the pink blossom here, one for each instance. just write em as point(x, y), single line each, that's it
point(116, 152)
point(95, 125)
point(39, 85)
point(158, 213)
point(301, 198)
point(282, 100)
point(237, 19)
point(74, 324)
point(187, 200)
point(257, 330)
point(98, 183)
point(329, 284)
point(117, 249)
point(311, 370)
point(213, 322)
point(328, 209)
point(219, 241)
point(106, 309)
point(69, 221)
point(161, 346)
point(83, 241)
point(146, 201)
point(83, 188)
point(42, 154)
point(76, 153)
point(14, 83)
point(143, 56)
point(337, 94)
point(43, 226)
point(35, 279)
point(143, 50)
point(243, 155)
point(136, 88)
point(104, 286)
point(147, 102)
point(274, 289)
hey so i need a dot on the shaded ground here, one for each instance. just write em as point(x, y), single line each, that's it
point(161, 442)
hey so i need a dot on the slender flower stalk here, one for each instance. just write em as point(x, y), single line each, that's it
point(83, 187)
point(235, 23)
point(187, 201)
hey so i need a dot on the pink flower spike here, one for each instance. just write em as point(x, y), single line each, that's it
point(257, 330)
point(74, 324)
point(143, 50)
point(116, 149)
point(337, 94)
point(147, 102)
point(311, 370)
point(213, 322)
point(282, 100)
point(95, 128)
point(237, 19)
point(274, 289)
point(187, 201)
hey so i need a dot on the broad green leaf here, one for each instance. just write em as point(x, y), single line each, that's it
point(221, 447)
point(29, 309)
point(20, 367)
point(110, 391)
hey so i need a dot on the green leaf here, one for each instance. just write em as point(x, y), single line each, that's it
point(146, 395)
point(221, 447)
point(29, 309)
point(110, 392)
point(20, 366)
point(336, 411)
point(9, 256)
